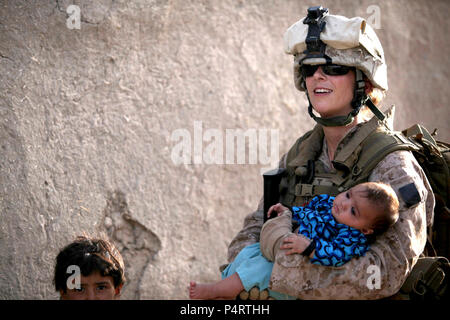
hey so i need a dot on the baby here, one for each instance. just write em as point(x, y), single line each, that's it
point(331, 231)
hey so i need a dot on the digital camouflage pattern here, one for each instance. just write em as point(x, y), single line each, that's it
point(394, 253)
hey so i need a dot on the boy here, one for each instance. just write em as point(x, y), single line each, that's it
point(331, 231)
point(100, 266)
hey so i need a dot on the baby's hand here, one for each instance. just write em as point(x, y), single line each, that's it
point(278, 208)
point(295, 243)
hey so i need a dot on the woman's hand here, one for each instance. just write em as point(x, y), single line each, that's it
point(278, 208)
point(296, 243)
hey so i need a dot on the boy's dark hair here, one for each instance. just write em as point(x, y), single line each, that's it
point(384, 198)
point(89, 255)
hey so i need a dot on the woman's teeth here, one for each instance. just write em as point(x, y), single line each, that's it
point(322, 91)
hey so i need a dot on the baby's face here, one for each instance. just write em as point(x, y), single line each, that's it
point(352, 209)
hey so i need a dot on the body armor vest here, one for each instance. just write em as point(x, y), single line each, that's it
point(356, 156)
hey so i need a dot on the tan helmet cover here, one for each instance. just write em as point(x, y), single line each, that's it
point(349, 42)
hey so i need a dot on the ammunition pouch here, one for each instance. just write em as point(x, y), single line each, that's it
point(428, 280)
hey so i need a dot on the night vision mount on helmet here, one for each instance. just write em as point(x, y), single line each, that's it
point(321, 38)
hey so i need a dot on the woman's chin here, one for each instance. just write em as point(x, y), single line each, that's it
point(325, 113)
point(328, 108)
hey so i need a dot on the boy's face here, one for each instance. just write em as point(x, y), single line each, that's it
point(93, 287)
point(352, 209)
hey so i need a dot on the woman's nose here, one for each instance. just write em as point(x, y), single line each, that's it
point(319, 74)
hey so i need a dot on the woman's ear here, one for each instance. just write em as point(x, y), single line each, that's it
point(368, 86)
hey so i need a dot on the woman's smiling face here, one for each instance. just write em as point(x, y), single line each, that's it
point(331, 95)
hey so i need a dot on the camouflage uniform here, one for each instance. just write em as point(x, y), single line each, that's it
point(395, 252)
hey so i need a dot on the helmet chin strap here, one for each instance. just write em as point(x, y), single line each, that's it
point(359, 99)
point(338, 121)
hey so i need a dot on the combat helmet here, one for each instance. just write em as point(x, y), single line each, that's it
point(321, 38)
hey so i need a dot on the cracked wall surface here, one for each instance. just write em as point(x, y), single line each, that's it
point(87, 117)
point(137, 244)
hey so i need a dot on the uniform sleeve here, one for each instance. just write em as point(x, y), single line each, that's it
point(253, 222)
point(348, 243)
point(273, 232)
point(383, 269)
point(249, 234)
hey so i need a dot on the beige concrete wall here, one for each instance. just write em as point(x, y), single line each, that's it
point(87, 122)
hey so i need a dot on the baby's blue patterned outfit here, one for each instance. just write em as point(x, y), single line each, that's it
point(336, 243)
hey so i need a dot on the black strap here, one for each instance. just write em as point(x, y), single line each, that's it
point(377, 112)
point(310, 248)
point(338, 121)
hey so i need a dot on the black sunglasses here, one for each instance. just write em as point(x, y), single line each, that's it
point(308, 70)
